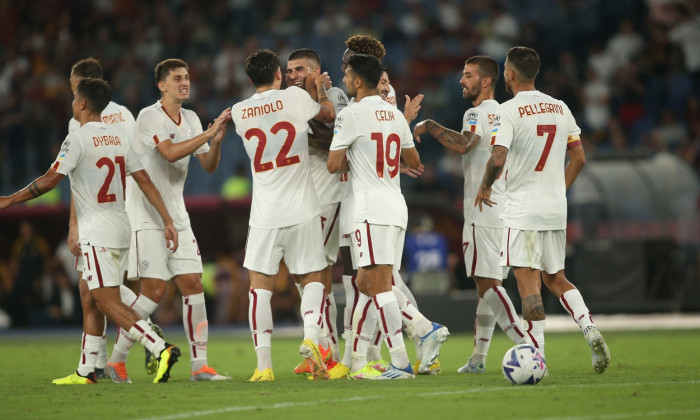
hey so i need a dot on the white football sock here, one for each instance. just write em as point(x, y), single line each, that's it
point(143, 333)
point(330, 322)
point(260, 320)
point(410, 314)
point(573, 302)
point(535, 334)
point(312, 303)
point(484, 324)
point(194, 318)
point(102, 352)
point(390, 324)
point(89, 348)
point(497, 299)
point(364, 326)
point(350, 301)
point(374, 351)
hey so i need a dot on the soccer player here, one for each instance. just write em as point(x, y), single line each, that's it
point(364, 44)
point(536, 132)
point(482, 231)
point(94, 323)
point(284, 215)
point(96, 160)
point(370, 139)
point(304, 65)
point(166, 135)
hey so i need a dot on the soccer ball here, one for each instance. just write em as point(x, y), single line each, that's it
point(524, 365)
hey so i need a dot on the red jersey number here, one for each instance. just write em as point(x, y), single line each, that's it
point(103, 196)
point(550, 130)
point(282, 157)
point(385, 155)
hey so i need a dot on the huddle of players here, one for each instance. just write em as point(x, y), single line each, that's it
point(370, 211)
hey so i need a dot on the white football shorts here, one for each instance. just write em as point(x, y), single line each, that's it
point(300, 245)
point(104, 267)
point(151, 258)
point(482, 252)
point(540, 250)
point(330, 225)
point(377, 244)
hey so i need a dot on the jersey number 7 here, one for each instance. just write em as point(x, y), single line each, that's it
point(550, 130)
point(282, 158)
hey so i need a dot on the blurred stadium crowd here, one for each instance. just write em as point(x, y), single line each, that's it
point(628, 69)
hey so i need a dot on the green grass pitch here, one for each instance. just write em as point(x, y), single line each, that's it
point(653, 375)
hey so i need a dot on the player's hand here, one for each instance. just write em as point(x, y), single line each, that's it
point(420, 128)
point(413, 173)
point(171, 237)
point(322, 80)
point(483, 196)
point(73, 243)
point(410, 110)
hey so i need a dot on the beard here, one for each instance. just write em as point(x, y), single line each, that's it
point(471, 94)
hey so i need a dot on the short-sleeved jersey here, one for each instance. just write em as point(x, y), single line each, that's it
point(537, 130)
point(154, 125)
point(374, 133)
point(120, 117)
point(96, 159)
point(327, 184)
point(274, 128)
point(479, 120)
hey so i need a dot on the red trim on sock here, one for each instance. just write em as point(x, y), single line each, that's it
point(529, 329)
point(190, 328)
point(568, 308)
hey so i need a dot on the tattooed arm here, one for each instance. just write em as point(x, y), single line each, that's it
point(38, 187)
point(452, 140)
point(493, 169)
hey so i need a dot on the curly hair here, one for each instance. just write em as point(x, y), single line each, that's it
point(365, 44)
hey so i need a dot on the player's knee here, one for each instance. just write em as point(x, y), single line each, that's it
point(154, 289)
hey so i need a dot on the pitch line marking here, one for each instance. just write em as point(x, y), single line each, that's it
point(235, 409)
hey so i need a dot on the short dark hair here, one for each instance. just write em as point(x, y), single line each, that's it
point(164, 67)
point(366, 67)
point(525, 61)
point(306, 53)
point(88, 67)
point(96, 93)
point(261, 67)
point(488, 67)
point(365, 44)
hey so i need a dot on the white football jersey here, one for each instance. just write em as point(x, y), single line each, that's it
point(154, 125)
point(537, 130)
point(374, 132)
point(327, 184)
point(96, 159)
point(274, 128)
point(479, 120)
point(391, 96)
point(120, 117)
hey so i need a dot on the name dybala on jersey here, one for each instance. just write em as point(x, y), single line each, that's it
point(96, 159)
point(479, 120)
point(374, 132)
point(537, 130)
point(274, 125)
point(154, 125)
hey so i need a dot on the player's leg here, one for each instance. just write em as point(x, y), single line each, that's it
point(104, 273)
point(304, 255)
point(261, 325)
point(351, 297)
point(572, 301)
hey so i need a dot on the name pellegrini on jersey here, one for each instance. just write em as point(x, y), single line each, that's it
point(541, 108)
point(257, 111)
